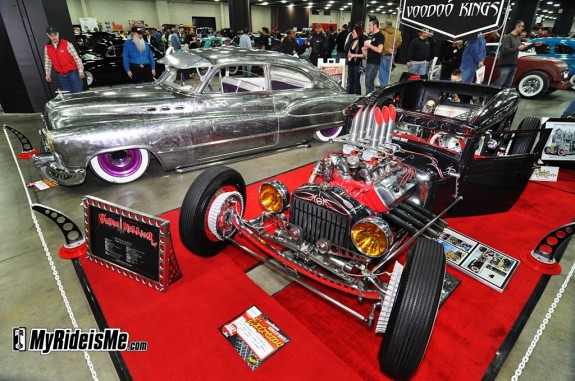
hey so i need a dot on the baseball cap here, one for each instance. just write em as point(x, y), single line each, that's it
point(135, 29)
point(51, 30)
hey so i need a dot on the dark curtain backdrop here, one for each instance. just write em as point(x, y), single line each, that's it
point(287, 18)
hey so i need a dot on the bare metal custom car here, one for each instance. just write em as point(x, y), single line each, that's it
point(415, 151)
point(209, 105)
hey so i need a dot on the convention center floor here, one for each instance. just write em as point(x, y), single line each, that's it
point(30, 296)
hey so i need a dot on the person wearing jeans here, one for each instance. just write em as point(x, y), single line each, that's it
point(392, 42)
point(385, 69)
point(505, 76)
point(510, 48)
point(418, 67)
point(569, 112)
point(61, 55)
point(372, 50)
point(419, 53)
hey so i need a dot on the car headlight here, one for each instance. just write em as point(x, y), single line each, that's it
point(274, 196)
point(371, 236)
point(565, 74)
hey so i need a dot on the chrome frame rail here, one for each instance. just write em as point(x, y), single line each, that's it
point(369, 320)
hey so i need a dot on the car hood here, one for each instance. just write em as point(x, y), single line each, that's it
point(538, 59)
point(107, 105)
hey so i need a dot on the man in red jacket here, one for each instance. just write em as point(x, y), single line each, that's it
point(61, 54)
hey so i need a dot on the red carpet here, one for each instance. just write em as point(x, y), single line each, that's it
point(181, 326)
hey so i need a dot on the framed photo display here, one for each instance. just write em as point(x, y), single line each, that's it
point(487, 265)
point(561, 143)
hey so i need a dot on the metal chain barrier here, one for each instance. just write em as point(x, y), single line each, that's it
point(50, 260)
point(542, 327)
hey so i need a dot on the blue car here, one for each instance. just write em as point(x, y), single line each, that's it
point(559, 47)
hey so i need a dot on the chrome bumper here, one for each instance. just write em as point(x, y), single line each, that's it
point(58, 172)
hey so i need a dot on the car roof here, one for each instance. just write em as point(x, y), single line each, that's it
point(185, 59)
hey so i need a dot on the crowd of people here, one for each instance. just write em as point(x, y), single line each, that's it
point(373, 57)
point(376, 59)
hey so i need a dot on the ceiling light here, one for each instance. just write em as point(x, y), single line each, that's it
point(265, 3)
point(374, 2)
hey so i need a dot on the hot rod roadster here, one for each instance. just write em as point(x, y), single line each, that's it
point(404, 164)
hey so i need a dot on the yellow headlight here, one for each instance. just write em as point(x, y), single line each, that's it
point(371, 236)
point(274, 196)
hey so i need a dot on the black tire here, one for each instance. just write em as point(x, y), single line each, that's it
point(533, 84)
point(414, 311)
point(523, 143)
point(193, 228)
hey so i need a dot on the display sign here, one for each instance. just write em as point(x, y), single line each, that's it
point(561, 143)
point(487, 265)
point(254, 336)
point(334, 69)
point(88, 24)
point(455, 19)
point(133, 243)
point(545, 173)
point(136, 23)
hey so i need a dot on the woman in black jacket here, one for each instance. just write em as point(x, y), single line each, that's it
point(354, 59)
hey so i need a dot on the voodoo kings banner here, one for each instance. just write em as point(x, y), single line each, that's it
point(454, 19)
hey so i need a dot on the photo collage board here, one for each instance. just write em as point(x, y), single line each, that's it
point(489, 266)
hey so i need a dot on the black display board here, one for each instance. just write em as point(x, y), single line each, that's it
point(132, 243)
point(454, 19)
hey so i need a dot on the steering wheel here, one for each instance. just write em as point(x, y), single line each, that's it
point(448, 141)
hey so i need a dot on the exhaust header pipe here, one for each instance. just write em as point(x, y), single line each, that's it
point(355, 125)
point(391, 126)
point(377, 125)
point(385, 125)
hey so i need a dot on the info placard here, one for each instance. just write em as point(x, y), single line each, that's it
point(133, 243)
point(254, 336)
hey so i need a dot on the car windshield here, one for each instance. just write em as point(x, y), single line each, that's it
point(186, 80)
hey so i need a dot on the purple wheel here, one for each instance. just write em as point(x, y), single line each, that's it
point(327, 134)
point(121, 166)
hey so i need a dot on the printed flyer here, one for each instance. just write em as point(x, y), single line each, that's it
point(254, 336)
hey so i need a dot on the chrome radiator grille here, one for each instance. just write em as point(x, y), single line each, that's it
point(320, 222)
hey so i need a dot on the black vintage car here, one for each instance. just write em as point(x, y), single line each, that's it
point(414, 152)
point(87, 41)
point(103, 64)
